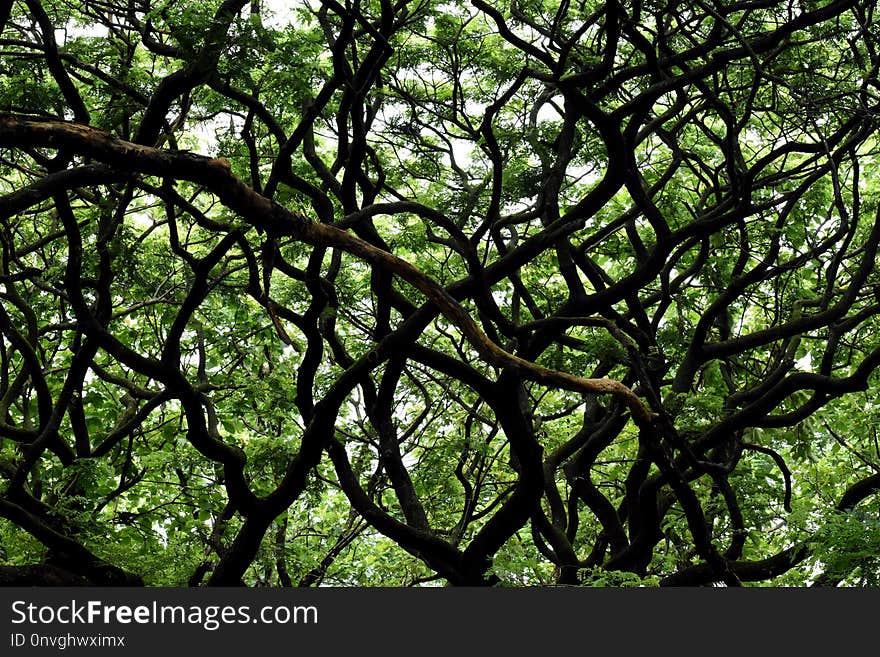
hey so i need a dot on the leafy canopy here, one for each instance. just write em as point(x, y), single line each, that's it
point(399, 292)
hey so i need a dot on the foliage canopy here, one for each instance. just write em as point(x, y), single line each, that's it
point(405, 291)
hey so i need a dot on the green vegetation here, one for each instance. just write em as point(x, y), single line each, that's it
point(406, 292)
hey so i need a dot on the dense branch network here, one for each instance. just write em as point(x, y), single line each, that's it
point(542, 293)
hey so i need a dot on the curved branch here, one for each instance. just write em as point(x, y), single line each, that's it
point(278, 221)
point(780, 463)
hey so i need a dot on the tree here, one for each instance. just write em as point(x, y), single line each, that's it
point(398, 292)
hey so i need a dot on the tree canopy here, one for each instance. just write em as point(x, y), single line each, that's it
point(407, 292)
